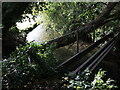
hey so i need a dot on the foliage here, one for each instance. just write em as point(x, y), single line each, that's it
point(13, 12)
point(68, 16)
point(65, 17)
point(83, 81)
point(27, 64)
point(62, 17)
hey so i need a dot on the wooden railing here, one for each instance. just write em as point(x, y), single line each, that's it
point(92, 62)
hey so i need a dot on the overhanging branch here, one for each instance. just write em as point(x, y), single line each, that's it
point(71, 37)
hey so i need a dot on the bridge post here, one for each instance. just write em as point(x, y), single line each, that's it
point(77, 39)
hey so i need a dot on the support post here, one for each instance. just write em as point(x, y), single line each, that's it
point(77, 39)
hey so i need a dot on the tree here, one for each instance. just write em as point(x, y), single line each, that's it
point(12, 12)
point(105, 17)
point(67, 18)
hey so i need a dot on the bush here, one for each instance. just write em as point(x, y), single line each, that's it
point(27, 64)
point(83, 81)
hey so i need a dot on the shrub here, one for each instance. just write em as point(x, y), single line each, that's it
point(83, 81)
point(28, 63)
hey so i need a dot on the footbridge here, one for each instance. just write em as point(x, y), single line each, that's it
point(80, 61)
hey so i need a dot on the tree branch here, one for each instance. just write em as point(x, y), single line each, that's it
point(71, 37)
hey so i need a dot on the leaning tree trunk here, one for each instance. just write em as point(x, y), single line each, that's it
point(71, 37)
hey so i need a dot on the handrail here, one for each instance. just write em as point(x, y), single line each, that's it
point(98, 56)
point(98, 60)
point(84, 52)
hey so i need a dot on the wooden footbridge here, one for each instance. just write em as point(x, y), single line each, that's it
point(79, 62)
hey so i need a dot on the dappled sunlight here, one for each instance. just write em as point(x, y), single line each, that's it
point(28, 22)
point(25, 24)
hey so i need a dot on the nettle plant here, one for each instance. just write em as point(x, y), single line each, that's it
point(82, 81)
point(27, 64)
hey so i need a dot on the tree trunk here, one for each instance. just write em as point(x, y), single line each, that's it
point(71, 37)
